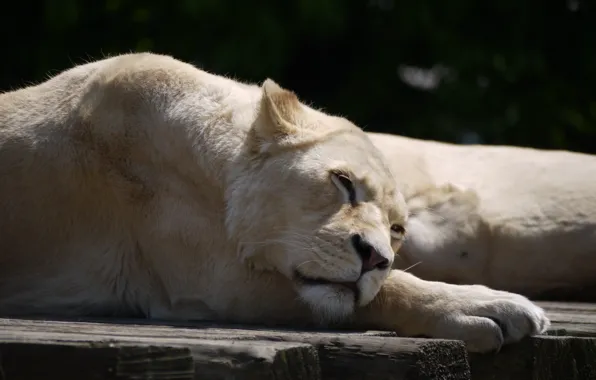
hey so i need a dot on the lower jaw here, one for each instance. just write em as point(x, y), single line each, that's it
point(354, 291)
point(331, 302)
point(351, 288)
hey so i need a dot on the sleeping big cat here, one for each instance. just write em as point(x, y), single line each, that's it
point(142, 185)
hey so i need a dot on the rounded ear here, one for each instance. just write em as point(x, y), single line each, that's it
point(279, 113)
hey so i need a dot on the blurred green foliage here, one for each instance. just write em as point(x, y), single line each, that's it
point(517, 72)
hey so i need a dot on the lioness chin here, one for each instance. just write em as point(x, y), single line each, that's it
point(139, 184)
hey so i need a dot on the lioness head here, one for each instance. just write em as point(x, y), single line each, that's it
point(313, 200)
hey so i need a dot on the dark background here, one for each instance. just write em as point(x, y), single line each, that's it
point(519, 72)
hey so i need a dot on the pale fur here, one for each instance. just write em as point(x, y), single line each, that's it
point(140, 184)
point(512, 218)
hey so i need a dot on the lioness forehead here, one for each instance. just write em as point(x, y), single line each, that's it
point(339, 144)
point(358, 152)
point(351, 151)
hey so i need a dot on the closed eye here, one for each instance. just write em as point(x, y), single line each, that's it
point(397, 231)
point(345, 185)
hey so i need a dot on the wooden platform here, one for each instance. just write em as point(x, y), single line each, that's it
point(41, 349)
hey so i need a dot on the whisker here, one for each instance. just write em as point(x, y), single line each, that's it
point(412, 266)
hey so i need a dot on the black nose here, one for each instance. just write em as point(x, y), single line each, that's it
point(371, 258)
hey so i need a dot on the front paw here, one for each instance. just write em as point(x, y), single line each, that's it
point(483, 318)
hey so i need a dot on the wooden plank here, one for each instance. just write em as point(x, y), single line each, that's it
point(240, 360)
point(341, 355)
point(571, 318)
point(72, 356)
point(370, 357)
point(572, 329)
point(539, 358)
point(566, 317)
point(573, 307)
point(568, 353)
point(145, 348)
point(34, 361)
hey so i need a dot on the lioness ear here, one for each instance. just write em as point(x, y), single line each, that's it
point(279, 114)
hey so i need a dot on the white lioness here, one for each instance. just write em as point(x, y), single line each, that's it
point(516, 219)
point(140, 184)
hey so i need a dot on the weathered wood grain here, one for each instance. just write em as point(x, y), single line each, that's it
point(573, 307)
point(567, 353)
point(342, 355)
point(31, 355)
point(539, 358)
point(142, 349)
point(32, 361)
point(571, 318)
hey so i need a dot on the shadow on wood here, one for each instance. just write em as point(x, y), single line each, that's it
point(202, 359)
point(341, 355)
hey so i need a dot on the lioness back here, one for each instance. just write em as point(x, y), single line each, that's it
point(72, 196)
point(518, 219)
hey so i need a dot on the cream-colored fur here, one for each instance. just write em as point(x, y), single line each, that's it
point(516, 219)
point(140, 184)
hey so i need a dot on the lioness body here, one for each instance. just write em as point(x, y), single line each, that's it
point(141, 185)
point(105, 211)
point(517, 219)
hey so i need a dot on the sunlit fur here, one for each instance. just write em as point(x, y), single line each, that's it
point(513, 218)
point(140, 184)
point(137, 180)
